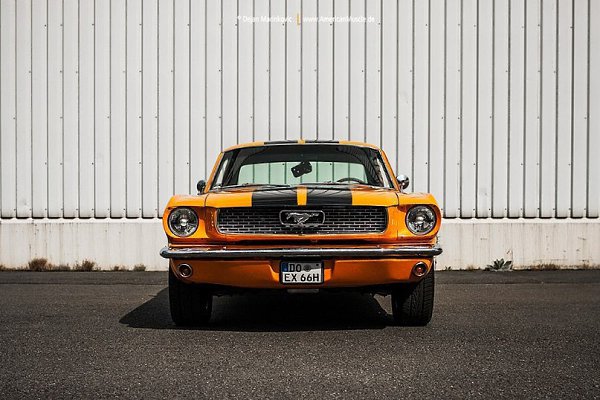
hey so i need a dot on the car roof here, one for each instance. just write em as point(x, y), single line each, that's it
point(307, 142)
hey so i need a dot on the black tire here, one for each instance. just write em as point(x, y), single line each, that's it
point(190, 305)
point(412, 304)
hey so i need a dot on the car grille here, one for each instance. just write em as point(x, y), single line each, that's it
point(338, 220)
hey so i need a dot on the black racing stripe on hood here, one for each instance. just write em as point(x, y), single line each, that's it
point(328, 197)
point(279, 197)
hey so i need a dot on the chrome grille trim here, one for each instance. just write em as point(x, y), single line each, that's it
point(338, 220)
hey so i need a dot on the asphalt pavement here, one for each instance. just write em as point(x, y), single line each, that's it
point(493, 335)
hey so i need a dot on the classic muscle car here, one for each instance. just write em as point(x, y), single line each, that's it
point(302, 216)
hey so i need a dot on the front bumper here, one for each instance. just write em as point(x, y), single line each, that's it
point(343, 267)
point(223, 252)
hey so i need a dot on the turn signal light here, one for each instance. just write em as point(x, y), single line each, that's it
point(184, 270)
point(420, 269)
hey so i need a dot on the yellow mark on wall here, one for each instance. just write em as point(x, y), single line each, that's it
point(298, 21)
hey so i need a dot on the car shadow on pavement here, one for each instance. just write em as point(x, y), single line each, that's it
point(272, 312)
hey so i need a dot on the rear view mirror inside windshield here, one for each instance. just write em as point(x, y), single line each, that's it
point(303, 168)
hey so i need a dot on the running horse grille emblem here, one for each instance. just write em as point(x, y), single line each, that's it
point(302, 219)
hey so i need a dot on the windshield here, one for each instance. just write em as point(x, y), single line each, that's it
point(302, 164)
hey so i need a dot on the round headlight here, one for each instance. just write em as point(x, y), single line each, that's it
point(183, 221)
point(420, 220)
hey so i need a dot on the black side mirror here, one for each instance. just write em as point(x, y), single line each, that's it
point(200, 186)
point(403, 181)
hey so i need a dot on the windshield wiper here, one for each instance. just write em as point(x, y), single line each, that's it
point(340, 184)
point(242, 185)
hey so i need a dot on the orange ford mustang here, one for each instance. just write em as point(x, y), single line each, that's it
point(302, 216)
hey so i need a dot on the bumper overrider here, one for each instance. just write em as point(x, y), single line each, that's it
point(260, 268)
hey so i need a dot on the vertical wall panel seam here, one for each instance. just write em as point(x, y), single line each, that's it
point(16, 110)
point(301, 68)
point(157, 106)
point(396, 72)
point(539, 109)
point(556, 131)
point(254, 71)
point(62, 111)
point(587, 117)
point(221, 77)
point(508, 105)
point(1, 160)
point(126, 108)
point(381, 66)
point(505, 213)
point(412, 105)
point(493, 110)
point(78, 209)
point(47, 212)
point(428, 96)
point(31, 69)
point(333, 133)
point(365, 74)
point(445, 144)
point(142, 111)
point(190, 150)
point(524, 163)
point(364, 84)
point(269, 81)
point(540, 105)
point(140, 119)
point(572, 104)
point(94, 118)
point(285, 63)
point(349, 110)
point(205, 90)
point(380, 80)
point(477, 113)
point(237, 74)
point(110, 132)
point(317, 77)
point(174, 93)
point(460, 112)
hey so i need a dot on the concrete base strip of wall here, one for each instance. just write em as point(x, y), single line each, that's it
point(468, 244)
point(528, 243)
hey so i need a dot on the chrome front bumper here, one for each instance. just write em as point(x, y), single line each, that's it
point(213, 252)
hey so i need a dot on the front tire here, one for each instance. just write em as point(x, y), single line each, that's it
point(190, 305)
point(412, 304)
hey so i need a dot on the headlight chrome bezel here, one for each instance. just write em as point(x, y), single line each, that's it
point(192, 221)
point(429, 214)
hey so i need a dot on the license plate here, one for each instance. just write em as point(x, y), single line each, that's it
point(301, 273)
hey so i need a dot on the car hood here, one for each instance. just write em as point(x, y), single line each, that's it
point(313, 195)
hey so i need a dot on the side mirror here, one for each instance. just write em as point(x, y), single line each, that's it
point(200, 186)
point(403, 181)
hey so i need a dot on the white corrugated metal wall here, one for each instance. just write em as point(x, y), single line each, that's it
point(109, 107)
